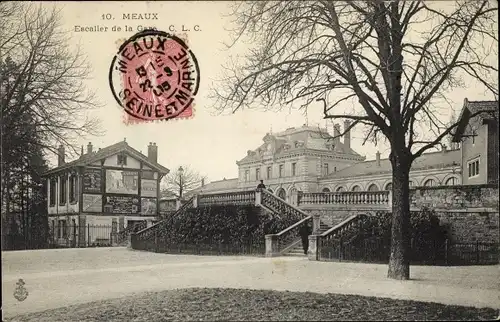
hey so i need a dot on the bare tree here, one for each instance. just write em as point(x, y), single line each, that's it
point(394, 61)
point(181, 181)
point(44, 77)
point(44, 101)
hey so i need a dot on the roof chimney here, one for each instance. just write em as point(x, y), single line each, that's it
point(89, 148)
point(81, 153)
point(60, 155)
point(378, 158)
point(153, 152)
point(347, 135)
point(202, 182)
point(336, 133)
point(444, 148)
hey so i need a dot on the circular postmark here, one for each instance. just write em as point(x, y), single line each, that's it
point(154, 76)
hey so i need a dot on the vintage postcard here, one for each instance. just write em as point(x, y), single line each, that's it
point(249, 160)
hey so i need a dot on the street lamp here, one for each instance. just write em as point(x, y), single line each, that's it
point(181, 170)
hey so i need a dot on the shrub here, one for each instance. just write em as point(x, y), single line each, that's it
point(241, 225)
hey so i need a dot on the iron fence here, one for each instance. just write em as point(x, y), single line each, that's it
point(72, 236)
point(205, 247)
point(377, 250)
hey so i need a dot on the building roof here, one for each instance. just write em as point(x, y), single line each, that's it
point(490, 109)
point(96, 156)
point(430, 160)
point(220, 185)
point(302, 138)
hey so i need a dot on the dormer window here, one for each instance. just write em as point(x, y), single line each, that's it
point(122, 159)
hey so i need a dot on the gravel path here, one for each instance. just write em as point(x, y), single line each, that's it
point(58, 278)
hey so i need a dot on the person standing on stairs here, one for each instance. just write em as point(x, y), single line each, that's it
point(304, 232)
point(261, 185)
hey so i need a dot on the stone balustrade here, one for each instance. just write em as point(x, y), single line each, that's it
point(229, 198)
point(345, 198)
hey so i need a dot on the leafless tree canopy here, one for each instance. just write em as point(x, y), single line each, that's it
point(395, 61)
point(180, 182)
point(42, 77)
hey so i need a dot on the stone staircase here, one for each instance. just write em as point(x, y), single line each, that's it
point(284, 243)
point(297, 250)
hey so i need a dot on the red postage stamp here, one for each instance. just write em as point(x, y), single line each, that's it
point(155, 76)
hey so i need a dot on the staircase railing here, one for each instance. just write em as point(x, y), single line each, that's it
point(277, 244)
point(280, 206)
point(228, 198)
point(138, 238)
point(122, 236)
point(330, 239)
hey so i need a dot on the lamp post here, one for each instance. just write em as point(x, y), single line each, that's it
point(181, 171)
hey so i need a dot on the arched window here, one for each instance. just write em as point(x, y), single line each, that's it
point(293, 196)
point(282, 194)
point(373, 187)
point(452, 181)
point(429, 183)
point(356, 188)
point(388, 186)
point(325, 190)
point(340, 189)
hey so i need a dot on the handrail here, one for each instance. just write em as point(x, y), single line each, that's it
point(175, 214)
point(298, 223)
point(266, 195)
point(340, 225)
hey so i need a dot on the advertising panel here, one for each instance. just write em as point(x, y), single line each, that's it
point(148, 188)
point(92, 180)
point(92, 203)
point(122, 182)
point(121, 205)
point(148, 206)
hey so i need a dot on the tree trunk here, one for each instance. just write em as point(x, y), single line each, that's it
point(399, 264)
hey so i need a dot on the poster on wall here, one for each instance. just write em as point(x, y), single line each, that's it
point(148, 188)
point(122, 181)
point(121, 205)
point(92, 180)
point(92, 203)
point(148, 206)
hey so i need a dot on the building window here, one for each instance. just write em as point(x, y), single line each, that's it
point(62, 189)
point(61, 228)
point(52, 200)
point(294, 169)
point(373, 187)
point(247, 175)
point(410, 183)
point(257, 174)
point(72, 188)
point(325, 169)
point(269, 172)
point(281, 170)
point(340, 189)
point(356, 188)
point(122, 159)
point(473, 167)
point(325, 190)
point(334, 169)
point(452, 181)
point(430, 183)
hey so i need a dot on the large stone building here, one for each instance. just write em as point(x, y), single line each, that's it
point(309, 159)
point(116, 185)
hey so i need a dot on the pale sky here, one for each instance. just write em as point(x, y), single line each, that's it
point(210, 144)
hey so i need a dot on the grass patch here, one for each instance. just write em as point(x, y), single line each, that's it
point(203, 304)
